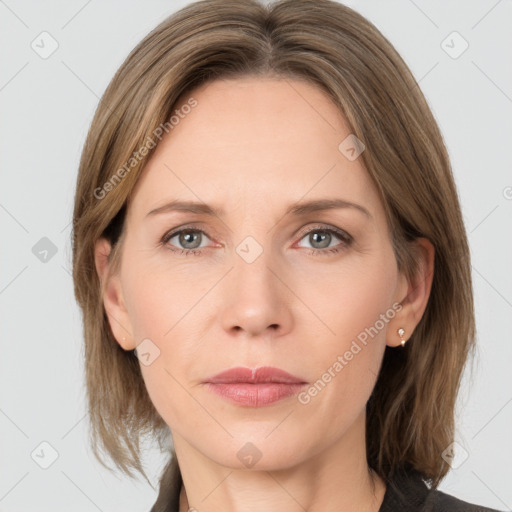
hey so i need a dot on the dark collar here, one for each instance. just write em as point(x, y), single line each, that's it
point(405, 491)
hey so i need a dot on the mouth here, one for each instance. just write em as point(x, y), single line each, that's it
point(254, 387)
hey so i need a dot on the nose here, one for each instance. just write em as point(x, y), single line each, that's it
point(257, 299)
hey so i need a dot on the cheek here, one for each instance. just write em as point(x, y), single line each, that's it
point(160, 298)
point(350, 298)
point(165, 311)
point(356, 306)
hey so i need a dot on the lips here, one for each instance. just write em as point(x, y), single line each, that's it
point(254, 387)
point(263, 374)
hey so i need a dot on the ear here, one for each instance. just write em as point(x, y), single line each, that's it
point(413, 294)
point(112, 296)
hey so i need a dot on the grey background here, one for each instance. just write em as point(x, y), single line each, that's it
point(47, 105)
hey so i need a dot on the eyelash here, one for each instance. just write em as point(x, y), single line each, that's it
point(345, 238)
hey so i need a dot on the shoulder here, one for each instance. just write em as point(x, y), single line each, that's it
point(438, 501)
point(408, 492)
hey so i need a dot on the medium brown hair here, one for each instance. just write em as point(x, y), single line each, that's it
point(410, 414)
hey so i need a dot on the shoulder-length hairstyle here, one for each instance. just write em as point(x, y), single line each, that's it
point(410, 414)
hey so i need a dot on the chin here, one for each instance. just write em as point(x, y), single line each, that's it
point(254, 453)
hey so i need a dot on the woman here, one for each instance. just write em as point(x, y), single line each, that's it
point(286, 376)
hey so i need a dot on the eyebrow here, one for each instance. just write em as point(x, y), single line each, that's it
point(297, 209)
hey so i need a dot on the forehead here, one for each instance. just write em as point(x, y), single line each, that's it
point(253, 140)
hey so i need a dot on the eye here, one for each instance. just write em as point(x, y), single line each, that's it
point(321, 239)
point(188, 238)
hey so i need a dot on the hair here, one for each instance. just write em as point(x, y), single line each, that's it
point(411, 412)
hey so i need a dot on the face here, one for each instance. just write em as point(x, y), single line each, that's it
point(312, 291)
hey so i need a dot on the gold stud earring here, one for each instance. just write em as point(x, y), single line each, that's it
point(401, 333)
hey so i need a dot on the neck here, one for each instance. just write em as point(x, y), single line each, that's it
point(335, 479)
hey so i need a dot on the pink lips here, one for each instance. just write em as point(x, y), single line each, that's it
point(254, 388)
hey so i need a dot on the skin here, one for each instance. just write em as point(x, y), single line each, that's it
point(255, 146)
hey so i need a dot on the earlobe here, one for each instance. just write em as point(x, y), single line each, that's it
point(112, 296)
point(415, 299)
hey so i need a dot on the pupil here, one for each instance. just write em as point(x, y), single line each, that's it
point(186, 236)
point(323, 235)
